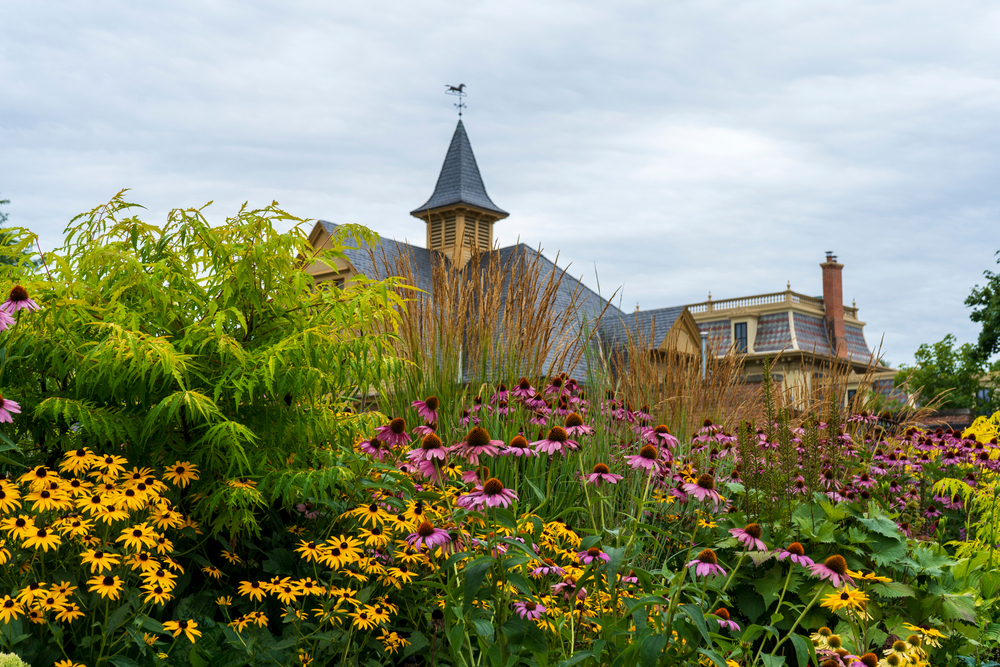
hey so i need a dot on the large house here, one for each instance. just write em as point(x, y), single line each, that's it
point(459, 219)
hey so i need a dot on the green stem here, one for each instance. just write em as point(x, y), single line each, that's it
point(792, 629)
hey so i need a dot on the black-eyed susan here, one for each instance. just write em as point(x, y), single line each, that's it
point(376, 536)
point(160, 577)
point(181, 473)
point(845, 599)
point(10, 499)
point(224, 600)
point(868, 576)
point(362, 619)
point(287, 591)
point(311, 551)
point(20, 527)
point(371, 514)
point(156, 594)
point(110, 514)
point(31, 592)
point(213, 572)
point(232, 558)
point(37, 477)
point(350, 547)
point(138, 537)
point(258, 618)
point(252, 590)
point(106, 586)
point(189, 628)
point(73, 526)
point(46, 500)
point(70, 613)
point(43, 539)
point(35, 616)
point(63, 589)
point(239, 624)
point(173, 564)
point(310, 587)
point(397, 576)
point(380, 614)
point(142, 561)
point(77, 460)
point(99, 560)
point(10, 609)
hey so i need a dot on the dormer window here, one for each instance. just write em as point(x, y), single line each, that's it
point(740, 337)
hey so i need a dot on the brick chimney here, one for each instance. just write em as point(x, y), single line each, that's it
point(833, 302)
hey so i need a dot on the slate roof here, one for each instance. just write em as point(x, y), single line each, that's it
point(659, 321)
point(421, 258)
point(811, 334)
point(773, 333)
point(459, 181)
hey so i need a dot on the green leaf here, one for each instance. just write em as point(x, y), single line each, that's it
point(882, 525)
point(697, 616)
point(118, 617)
point(892, 589)
point(955, 607)
point(804, 650)
point(652, 649)
point(716, 659)
point(576, 658)
point(483, 628)
point(474, 574)
point(772, 660)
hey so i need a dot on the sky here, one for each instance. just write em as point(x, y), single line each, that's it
point(664, 150)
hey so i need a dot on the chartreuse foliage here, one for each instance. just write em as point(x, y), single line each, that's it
point(200, 343)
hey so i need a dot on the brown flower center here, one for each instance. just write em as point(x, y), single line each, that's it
point(493, 487)
point(18, 294)
point(708, 556)
point(869, 660)
point(397, 426)
point(530, 606)
point(649, 452)
point(432, 402)
point(601, 469)
point(837, 563)
point(109, 581)
point(661, 430)
point(425, 529)
point(796, 548)
point(478, 437)
point(519, 442)
point(722, 613)
point(573, 419)
point(523, 384)
point(753, 530)
point(558, 434)
point(593, 552)
point(706, 481)
point(431, 441)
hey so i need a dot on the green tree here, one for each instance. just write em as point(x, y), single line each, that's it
point(985, 304)
point(943, 367)
point(196, 343)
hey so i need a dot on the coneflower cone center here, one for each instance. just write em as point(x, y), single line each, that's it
point(601, 469)
point(432, 402)
point(425, 529)
point(648, 452)
point(914, 640)
point(899, 645)
point(493, 487)
point(708, 556)
point(573, 419)
point(431, 441)
point(548, 561)
point(869, 660)
point(593, 552)
point(558, 434)
point(722, 613)
point(398, 426)
point(707, 423)
point(18, 293)
point(519, 441)
point(661, 430)
point(834, 641)
point(753, 530)
point(837, 564)
point(530, 606)
point(706, 481)
point(478, 437)
point(796, 548)
point(523, 384)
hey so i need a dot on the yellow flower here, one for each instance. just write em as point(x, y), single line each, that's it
point(702, 523)
point(106, 586)
point(138, 537)
point(99, 560)
point(213, 572)
point(232, 558)
point(20, 527)
point(362, 620)
point(189, 628)
point(69, 663)
point(370, 514)
point(37, 477)
point(142, 561)
point(224, 600)
point(9, 498)
point(181, 473)
point(112, 465)
point(251, 589)
point(156, 593)
point(149, 639)
point(70, 613)
point(311, 551)
point(73, 527)
point(239, 624)
point(44, 539)
point(286, 591)
point(870, 576)
point(161, 577)
point(31, 592)
point(845, 599)
point(10, 609)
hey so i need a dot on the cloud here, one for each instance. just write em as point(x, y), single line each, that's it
point(677, 148)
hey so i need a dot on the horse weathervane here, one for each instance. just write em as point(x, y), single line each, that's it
point(459, 92)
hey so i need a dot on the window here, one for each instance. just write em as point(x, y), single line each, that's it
point(339, 283)
point(740, 335)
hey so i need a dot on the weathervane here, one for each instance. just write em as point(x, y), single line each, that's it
point(459, 92)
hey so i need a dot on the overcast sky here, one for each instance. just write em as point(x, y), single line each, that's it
point(672, 148)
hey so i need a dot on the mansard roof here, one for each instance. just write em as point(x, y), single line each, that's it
point(460, 181)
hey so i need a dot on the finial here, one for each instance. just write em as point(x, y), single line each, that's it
point(459, 92)
point(789, 286)
point(637, 306)
point(709, 296)
point(854, 303)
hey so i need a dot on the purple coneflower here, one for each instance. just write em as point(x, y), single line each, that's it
point(6, 321)
point(7, 407)
point(477, 443)
point(427, 408)
point(518, 446)
point(18, 300)
point(432, 470)
point(703, 488)
point(491, 494)
point(722, 616)
point(932, 512)
point(374, 448)
point(427, 535)
point(540, 417)
point(749, 536)
point(555, 385)
point(557, 442)
point(647, 459)
point(629, 578)
point(660, 436)
point(833, 569)
point(528, 610)
point(424, 429)
point(430, 448)
point(476, 475)
point(575, 425)
point(796, 554)
point(468, 418)
point(590, 555)
point(394, 433)
point(549, 567)
point(602, 474)
point(706, 564)
point(536, 402)
point(523, 389)
point(568, 589)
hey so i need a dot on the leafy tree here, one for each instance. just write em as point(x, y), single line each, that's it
point(3, 214)
point(943, 367)
point(189, 342)
point(985, 304)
